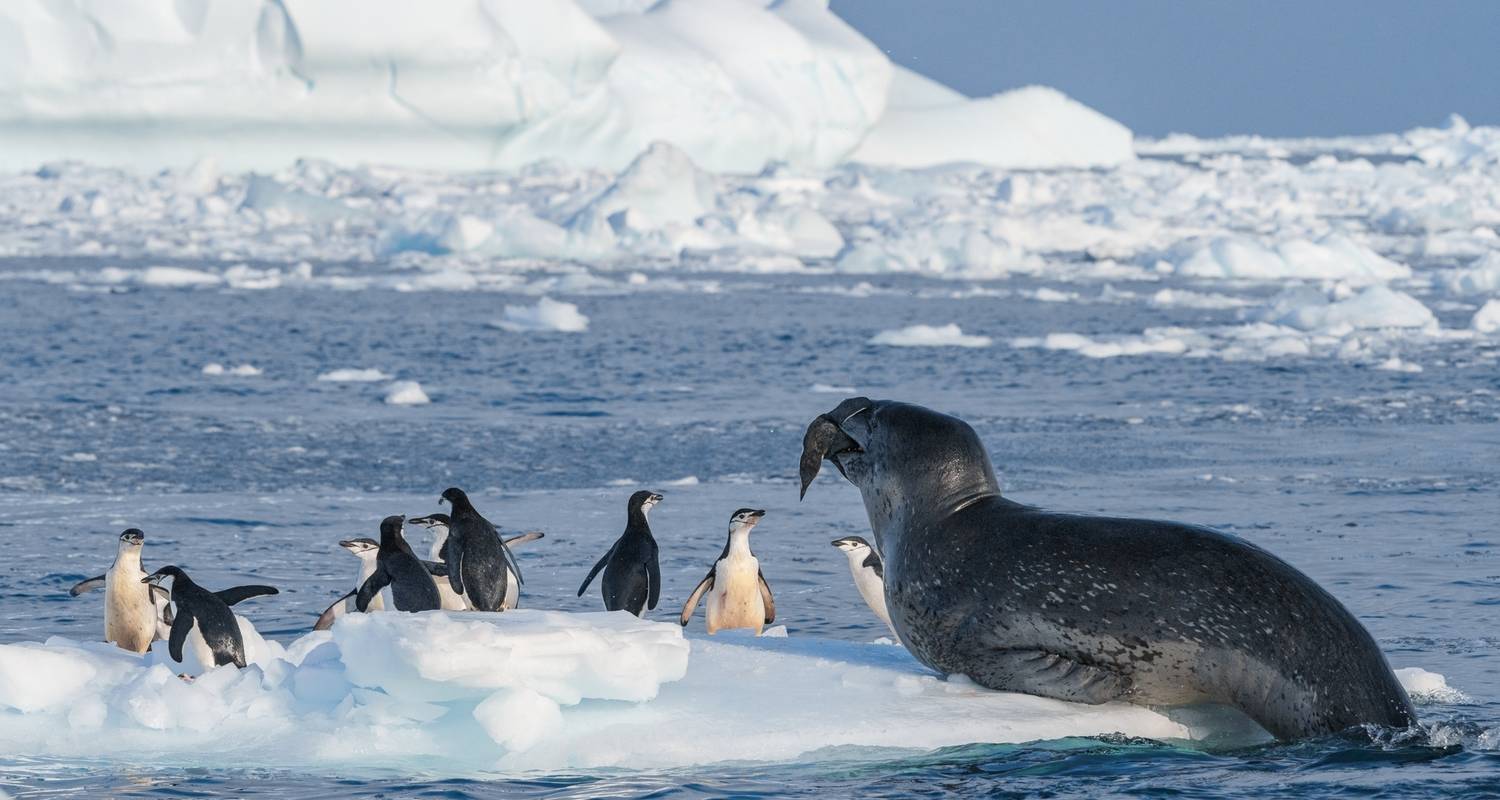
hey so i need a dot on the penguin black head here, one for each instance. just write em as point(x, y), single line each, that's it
point(432, 521)
point(849, 543)
point(168, 571)
point(455, 497)
point(745, 518)
point(360, 546)
point(390, 528)
point(133, 536)
point(643, 501)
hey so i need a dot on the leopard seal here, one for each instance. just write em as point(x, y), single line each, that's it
point(1089, 608)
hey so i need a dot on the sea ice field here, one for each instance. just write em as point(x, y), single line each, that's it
point(252, 343)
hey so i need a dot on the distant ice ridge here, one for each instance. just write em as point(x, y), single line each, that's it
point(526, 690)
point(477, 84)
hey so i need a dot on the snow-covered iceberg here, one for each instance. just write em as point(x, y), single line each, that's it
point(476, 84)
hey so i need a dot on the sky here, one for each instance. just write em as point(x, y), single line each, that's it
point(1212, 67)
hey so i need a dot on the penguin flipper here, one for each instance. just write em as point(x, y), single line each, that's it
point(180, 627)
point(766, 598)
point(595, 571)
point(453, 556)
point(692, 601)
point(511, 559)
point(653, 574)
point(434, 568)
point(332, 613)
point(236, 594)
point(529, 536)
point(89, 585)
point(379, 579)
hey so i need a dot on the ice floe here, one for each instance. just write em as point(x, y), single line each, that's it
point(406, 393)
point(546, 315)
point(242, 371)
point(354, 375)
point(1487, 318)
point(949, 335)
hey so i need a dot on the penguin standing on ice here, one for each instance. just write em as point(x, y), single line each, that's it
point(738, 595)
point(134, 615)
point(479, 563)
point(204, 621)
point(869, 576)
point(366, 549)
point(632, 577)
point(438, 524)
point(399, 574)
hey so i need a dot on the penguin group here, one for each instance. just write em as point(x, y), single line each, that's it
point(469, 567)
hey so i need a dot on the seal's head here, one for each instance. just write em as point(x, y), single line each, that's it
point(902, 457)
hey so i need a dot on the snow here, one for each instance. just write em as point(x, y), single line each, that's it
point(548, 690)
point(949, 335)
point(177, 277)
point(354, 375)
point(406, 393)
point(1487, 318)
point(546, 315)
point(1481, 277)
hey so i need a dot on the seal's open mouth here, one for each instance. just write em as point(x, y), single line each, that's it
point(824, 439)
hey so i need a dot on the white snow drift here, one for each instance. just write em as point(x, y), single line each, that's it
point(491, 83)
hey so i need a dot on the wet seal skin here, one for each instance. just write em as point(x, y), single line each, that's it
point(1092, 609)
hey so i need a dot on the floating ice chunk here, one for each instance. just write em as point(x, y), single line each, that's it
point(1429, 687)
point(1332, 258)
point(1481, 277)
point(354, 375)
point(241, 371)
point(1147, 344)
point(1397, 364)
point(406, 393)
point(178, 277)
point(949, 335)
point(1487, 318)
point(1030, 127)
point(825, 388)
point(690, 480)
point(1375, 307)
point(546, 315)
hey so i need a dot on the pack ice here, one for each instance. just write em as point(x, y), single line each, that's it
point(478, 84)
point(523, 690)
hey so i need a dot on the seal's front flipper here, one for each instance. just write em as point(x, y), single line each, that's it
point(1047, 674)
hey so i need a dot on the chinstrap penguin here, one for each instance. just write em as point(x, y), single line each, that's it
point(203, 620)
point(869, 575)
point(632, 576)
point(738, 595)
point(398, 574)
point(438, 525)
point(478, 561)
point(134, 615)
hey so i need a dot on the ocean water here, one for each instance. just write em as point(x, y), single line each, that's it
point(1379, 483)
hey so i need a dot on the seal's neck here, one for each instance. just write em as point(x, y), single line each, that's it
point(906, 501)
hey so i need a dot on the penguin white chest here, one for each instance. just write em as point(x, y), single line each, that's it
point(735, 600)
point(129, 616)
point(197, 648)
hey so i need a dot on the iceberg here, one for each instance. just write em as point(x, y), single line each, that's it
point(487, 84)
